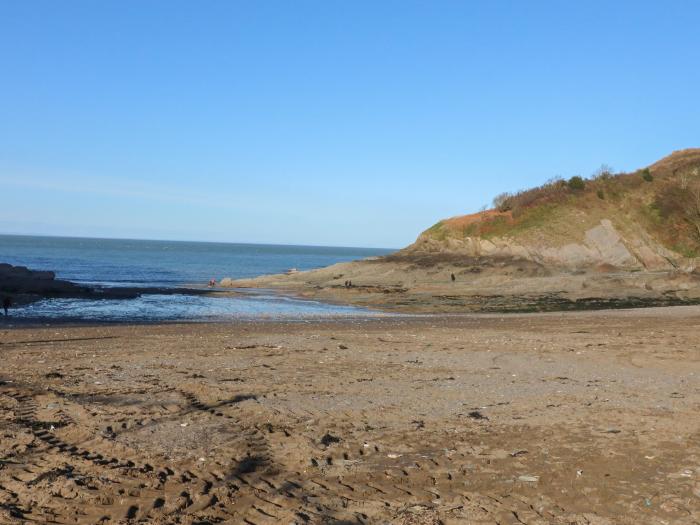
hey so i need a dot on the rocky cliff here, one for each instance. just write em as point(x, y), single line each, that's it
point(645, 220)
point(600, 245)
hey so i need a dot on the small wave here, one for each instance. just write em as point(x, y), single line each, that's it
point(150, 308)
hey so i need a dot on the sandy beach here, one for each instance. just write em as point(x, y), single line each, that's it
point(582, 417)
point(349, 263)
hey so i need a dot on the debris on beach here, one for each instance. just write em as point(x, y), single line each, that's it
point(528, 478)
point(329, 439)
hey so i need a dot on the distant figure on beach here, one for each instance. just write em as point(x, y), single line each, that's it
point(453, 277)
point(6, 303)
point(212, 283)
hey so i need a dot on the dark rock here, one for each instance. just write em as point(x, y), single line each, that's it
point(329, 439)
point(23, 286)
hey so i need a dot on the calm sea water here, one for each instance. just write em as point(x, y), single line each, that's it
point(116, 262)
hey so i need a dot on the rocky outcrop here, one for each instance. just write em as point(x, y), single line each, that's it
point(601, 245)
point(23, 286)
point(19, 280)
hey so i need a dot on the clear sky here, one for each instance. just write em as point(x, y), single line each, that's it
point(325, 122)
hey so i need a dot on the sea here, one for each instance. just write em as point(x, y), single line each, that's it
point(174, 264)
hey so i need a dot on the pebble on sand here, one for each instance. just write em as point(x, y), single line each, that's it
point(529, 479)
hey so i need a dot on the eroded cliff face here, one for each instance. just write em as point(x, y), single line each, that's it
point(602, 245)
point(644, 220)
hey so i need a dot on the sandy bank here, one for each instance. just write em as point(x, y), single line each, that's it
point(425, 284)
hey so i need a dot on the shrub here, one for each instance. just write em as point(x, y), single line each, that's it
point(576, 183)
point(551, 192)
point(674, 202)
point(605, 172)
point(503, 201)
point(601, 194)
point(646, 175)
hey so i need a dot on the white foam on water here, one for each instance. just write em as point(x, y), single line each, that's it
point(187, 307)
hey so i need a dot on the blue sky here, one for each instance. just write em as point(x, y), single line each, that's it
point(326, 122)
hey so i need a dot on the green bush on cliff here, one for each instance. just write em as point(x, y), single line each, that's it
point(576, 183)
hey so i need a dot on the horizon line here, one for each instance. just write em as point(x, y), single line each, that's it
point(84, 237)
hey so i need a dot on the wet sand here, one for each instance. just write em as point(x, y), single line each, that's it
point(581, 417)
point(444, 283)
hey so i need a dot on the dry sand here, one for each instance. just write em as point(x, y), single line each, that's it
point(587, 417)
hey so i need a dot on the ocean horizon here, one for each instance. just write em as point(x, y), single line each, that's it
point(171, 264)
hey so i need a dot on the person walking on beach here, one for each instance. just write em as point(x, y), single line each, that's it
point(6, 303)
